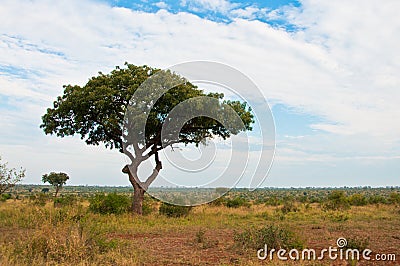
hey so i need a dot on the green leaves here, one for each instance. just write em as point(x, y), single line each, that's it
point(55, 179)
point(96, 110)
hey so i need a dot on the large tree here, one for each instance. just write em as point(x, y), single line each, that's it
point(97, 112)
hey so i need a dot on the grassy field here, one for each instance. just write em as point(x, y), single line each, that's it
point(32, 234)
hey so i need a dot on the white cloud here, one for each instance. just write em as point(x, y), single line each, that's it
point(361, 38)
point(161, 5)
point(250, 12)
point(221, 6)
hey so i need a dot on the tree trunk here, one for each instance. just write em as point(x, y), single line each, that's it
point(138, 192)
point(138, 197)
point(138, 186)
point(57, 189)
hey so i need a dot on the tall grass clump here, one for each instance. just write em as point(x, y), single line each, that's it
point(289, 206)
point(273, 236)
point(359, 243)
point(39, 199)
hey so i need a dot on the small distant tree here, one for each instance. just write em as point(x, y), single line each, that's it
point(9, 177)
point(55, 179)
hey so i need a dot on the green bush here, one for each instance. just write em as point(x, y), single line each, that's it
point(336, 200)
point(314, 199)
point(358, 200)
point(337, 216)
point(110, 203)
point(4, 197)
point(394, 198)
point(203, 241)
point(273, 201)
point(288, 206)
point(65, 200)
point(377, 199)
point(149, 205)
point(237, 202)
point(273, 236)
point(170, 210)
point(218, 202)
point(39, 199)
point(358, 243)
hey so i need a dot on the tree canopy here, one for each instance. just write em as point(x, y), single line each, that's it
point(96, 110)
point(55, 179)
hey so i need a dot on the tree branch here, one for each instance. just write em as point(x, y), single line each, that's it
point(156, 170)
point(133, 178)
point(129, 154)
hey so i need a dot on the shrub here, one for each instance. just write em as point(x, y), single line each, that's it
point(39, 199)
point(110, 203)
point(4, 197)
point(272, 201)
point(149, 205)
point(358, 243)
point(394, 198)
point(336, 200)
point(358, 200)
point(338, 216)
point(200, 236)
point(288, 206)
point(203, 241)
point(273, 236)
point(218, 202)
point(67, 200)
point(237, 202)
point(304, 198)
point(170, 210)
point(376, 199)
point(314, 199)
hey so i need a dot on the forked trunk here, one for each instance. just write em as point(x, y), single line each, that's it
point(138, 186)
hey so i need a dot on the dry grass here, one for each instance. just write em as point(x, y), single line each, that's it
point(32, 235)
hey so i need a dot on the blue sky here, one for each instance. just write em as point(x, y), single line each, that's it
point(220, 11)
point(328, 70)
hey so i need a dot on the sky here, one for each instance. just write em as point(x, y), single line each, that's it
point(329, 70)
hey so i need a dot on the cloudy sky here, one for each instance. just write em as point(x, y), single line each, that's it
point(329, 69)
